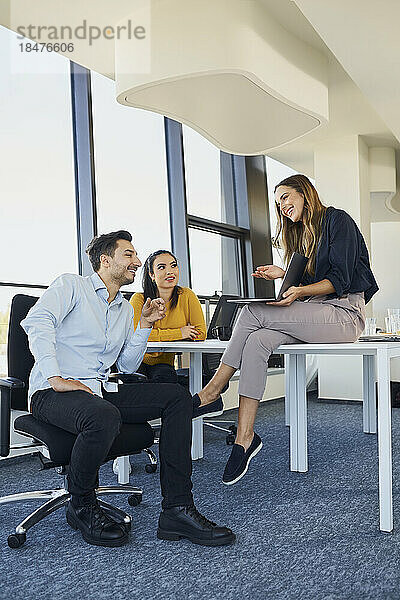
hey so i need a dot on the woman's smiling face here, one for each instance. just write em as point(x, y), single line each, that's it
point(291, 202)
point(165, 272)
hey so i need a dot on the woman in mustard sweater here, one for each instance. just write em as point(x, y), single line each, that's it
point(184, 316)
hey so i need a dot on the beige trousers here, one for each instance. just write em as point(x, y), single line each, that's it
point(261, 328)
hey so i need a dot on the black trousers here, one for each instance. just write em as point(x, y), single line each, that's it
point(160, 372)
point(97, 421)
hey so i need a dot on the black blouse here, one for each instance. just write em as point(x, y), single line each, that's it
point(342, 257)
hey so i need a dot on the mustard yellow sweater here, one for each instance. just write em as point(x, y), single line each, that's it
point(187, 311)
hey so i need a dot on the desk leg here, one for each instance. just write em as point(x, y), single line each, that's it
point(122, 467)
point(195, 385)
point(384, 441)
point(298, 414)
point(288, 391)
point(369, 395)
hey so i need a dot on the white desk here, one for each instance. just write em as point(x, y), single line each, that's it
point(195, 350)
point(376, 355)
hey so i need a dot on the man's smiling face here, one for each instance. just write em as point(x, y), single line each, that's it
point(124, 264)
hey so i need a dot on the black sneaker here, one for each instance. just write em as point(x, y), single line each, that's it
point(239, 461)
point(213, 409)
point(186, 522)
point(96, 526)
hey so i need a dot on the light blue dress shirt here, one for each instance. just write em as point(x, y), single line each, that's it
point(75, 333)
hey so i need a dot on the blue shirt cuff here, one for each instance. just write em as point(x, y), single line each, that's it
point(49, 367)
point(143, 332)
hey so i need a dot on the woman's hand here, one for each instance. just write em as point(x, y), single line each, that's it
point(292, 294)
point(152, 311)
point(269, 272)
point(189, 332)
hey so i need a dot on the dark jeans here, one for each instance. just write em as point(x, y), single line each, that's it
point(97, 421)
point(160, 373)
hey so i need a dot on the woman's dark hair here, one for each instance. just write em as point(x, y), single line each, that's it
point(105, 244)
point(150, 289)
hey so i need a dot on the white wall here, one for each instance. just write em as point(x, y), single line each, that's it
point(385, 264)
point(341, 174)
point(340, 377)
point(341, 178)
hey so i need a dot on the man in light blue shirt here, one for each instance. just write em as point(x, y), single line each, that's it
point(77, 331)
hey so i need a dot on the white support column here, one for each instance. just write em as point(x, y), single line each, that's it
point(195, 385)
point(341, 170)
point(369, 394)
point(384, 441)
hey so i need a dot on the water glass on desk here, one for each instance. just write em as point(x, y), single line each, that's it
point(392, 321)
point(370, 326)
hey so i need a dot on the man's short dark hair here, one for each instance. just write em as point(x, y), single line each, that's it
point(105, 244)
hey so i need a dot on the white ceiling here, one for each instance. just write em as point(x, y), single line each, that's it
point(353, 103)
point(364, 36)
point(359, 38)
point(291, 18)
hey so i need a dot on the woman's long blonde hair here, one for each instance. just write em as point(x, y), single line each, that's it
point(302, 236)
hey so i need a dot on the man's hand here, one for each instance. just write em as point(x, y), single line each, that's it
point(68, 385)
point(268, 272)
point(189, 332)
point(292, 294)
point(152, 311)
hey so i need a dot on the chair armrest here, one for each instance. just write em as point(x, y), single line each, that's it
point(128, 377)
point(7, 384)
point(11, 383)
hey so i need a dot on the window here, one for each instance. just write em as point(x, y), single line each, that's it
point(276, 171)
point(215, 263)
point(203, 177)
point(130, 165)
point(37, 208)
point(215, 240)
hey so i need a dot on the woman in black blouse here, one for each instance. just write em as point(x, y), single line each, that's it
point(328, 306)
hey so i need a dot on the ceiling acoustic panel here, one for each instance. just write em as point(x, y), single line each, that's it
point(226, 69)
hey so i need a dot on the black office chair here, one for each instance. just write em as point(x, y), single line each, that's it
point(54, 445)
point(221, 325)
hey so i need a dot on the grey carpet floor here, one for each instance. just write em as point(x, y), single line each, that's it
point(311, 536)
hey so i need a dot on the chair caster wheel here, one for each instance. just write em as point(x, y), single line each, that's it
point(233, 428)
point(134, 499)
point(16, 540)
point(61, 470)
point(230, 439)
point(150, 468)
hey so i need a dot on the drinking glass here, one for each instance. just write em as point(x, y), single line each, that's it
point(388, 325)
point(370, 326)
point(394, 320)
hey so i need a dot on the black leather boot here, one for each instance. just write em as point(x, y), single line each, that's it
point(123, 520)
point(96, 526)
point(186, 522)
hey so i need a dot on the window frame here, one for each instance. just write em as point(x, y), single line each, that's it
point(244, 196)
